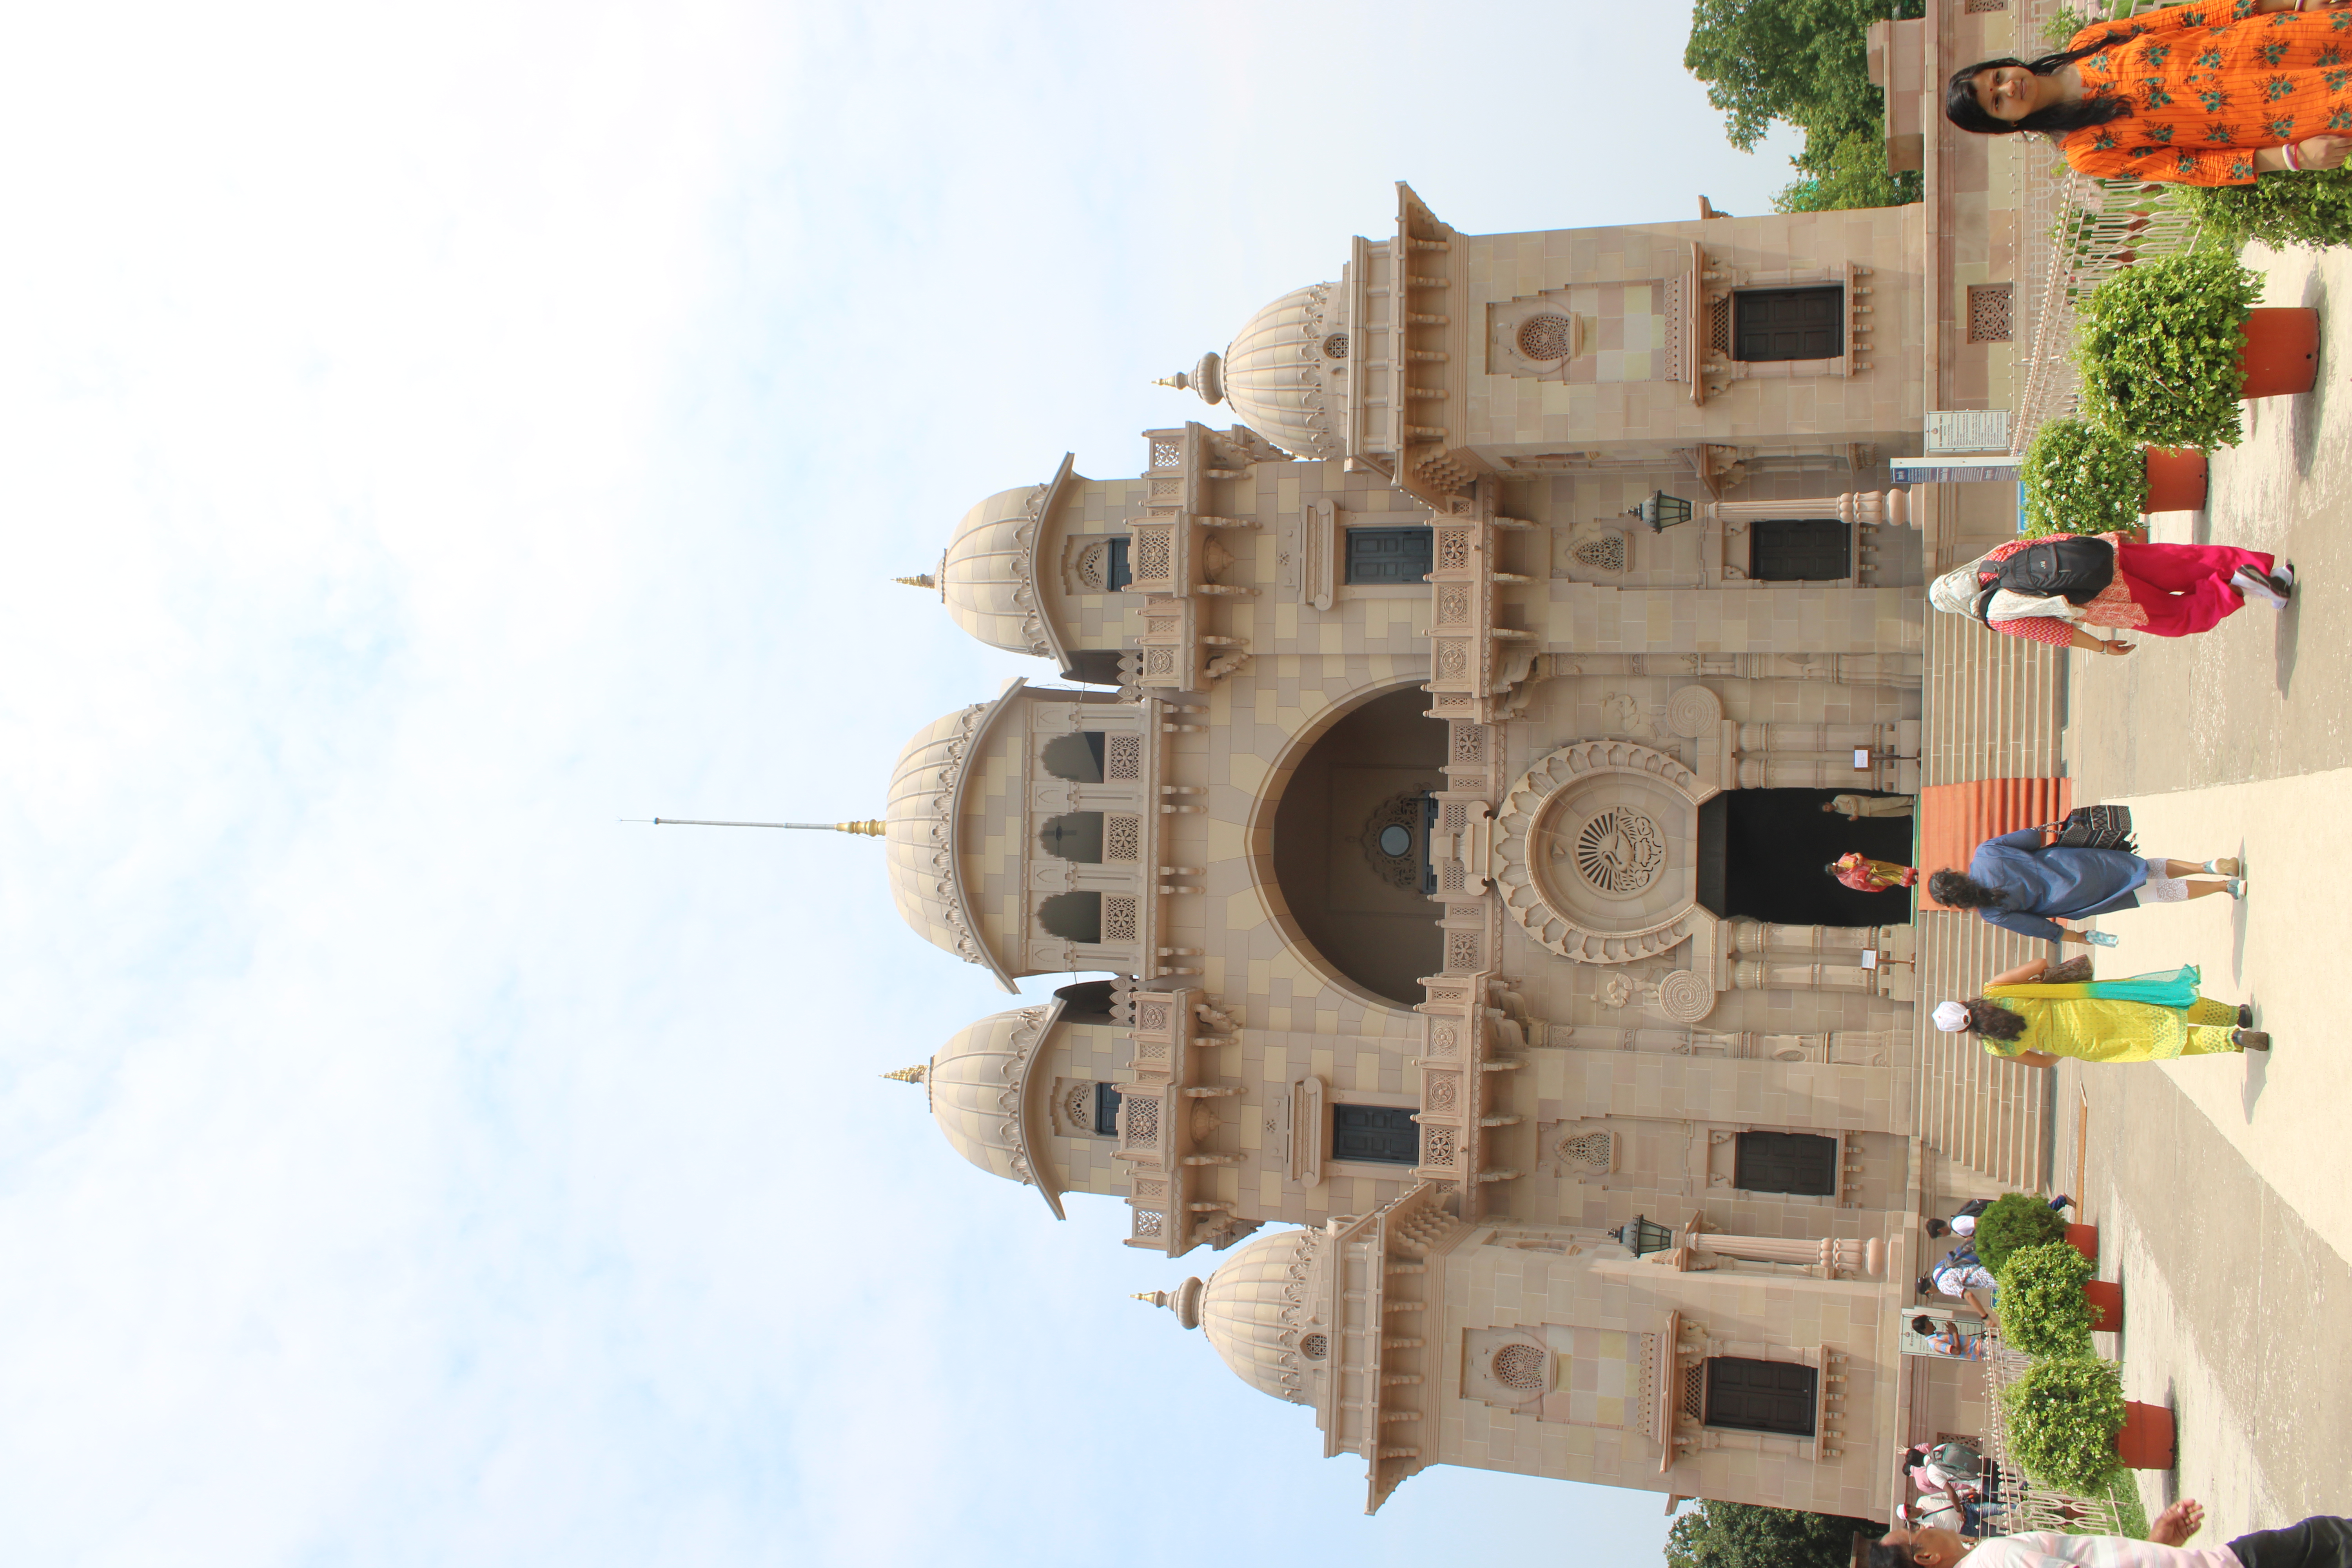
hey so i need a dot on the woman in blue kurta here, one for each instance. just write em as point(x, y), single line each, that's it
point(2017, 882)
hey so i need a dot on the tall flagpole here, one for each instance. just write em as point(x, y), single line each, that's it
point(870, 828)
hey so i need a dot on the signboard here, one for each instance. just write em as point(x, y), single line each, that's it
point(1937, 470)
point(1967, 430)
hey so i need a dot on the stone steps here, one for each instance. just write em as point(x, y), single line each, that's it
point(1992, 711)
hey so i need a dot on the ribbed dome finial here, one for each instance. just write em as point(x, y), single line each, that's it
point(915, 1074)
point(920, 580)
point(1184, 1302)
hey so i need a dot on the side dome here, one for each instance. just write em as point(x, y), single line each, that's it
point(1277, 372)
point(920, 831)
point(982, 1083)
point(988, 578)
point(1257, 1306)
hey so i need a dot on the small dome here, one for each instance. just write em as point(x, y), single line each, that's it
point(1258, 1305)
point(1275, 371)
point(926, 877)
point(988, 578)
point(979, 1087)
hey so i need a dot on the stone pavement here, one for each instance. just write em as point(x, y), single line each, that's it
point(2223, 1185)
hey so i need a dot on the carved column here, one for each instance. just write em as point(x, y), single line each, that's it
point(1832, 1258)
point(1872, 508)
point(1752, 974)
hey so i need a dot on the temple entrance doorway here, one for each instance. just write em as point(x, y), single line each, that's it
point(1774, 845)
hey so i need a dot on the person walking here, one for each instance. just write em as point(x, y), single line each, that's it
point(1864, 875)
point(2019, 883)
point(2322, 1541)
point(2147, 1018)
point(2061, 590)
point(1964, 1223)
point(1966, 1282)
point(2214, 94)
point(1854, 808)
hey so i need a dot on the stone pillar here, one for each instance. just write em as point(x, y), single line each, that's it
point(1752, 974)
point(1872, 508)
point(1753, 939)
point(1832, 1258)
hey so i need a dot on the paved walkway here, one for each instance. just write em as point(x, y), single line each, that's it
point(2223, 1185)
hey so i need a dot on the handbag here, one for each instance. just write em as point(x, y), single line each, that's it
point(2095, 828)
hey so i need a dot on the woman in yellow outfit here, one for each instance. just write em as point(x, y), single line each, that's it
point(2213, 94)
point(2147, 1018)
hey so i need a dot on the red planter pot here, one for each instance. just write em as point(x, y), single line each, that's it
point(2106, 1299)
point(2281, 354)
point(2084, 1239)
point(2175, 482)
point(2146, 1441)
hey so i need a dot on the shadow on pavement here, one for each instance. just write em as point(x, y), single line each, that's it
point(2258, 1074)
point(2308, 415)
point(2282, 643)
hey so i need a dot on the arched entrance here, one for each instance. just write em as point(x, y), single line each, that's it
point(1775, 843)
point(1351, 845)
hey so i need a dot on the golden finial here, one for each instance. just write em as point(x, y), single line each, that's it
point(1180, 380)
point(920, 580)
point(1156, 1297)
point(870, 828)
point(916, 1073)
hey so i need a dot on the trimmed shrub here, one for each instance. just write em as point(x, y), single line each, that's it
point(2015, 1220)
point(2080, 479)
point(2160, 348)
point(2313, 207)
point(2063, 1416)
point(2043, 1311)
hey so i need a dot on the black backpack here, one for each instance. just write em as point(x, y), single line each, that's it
point(2068, 567)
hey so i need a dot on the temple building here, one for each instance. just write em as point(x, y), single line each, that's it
point(1428, 750)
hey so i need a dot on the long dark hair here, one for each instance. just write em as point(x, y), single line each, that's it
point(1958, 890)
point(1992, 1020)
point(1960, 96)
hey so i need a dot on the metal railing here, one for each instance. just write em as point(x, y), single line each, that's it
point(2019, 1503)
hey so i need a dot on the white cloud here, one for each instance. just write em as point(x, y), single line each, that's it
point(431, 432)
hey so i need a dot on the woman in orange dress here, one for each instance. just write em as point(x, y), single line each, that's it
point(2215, 94)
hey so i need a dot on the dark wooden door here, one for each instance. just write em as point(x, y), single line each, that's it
point(1801, 1162)
point(1384, 1134)
point(1760, 1395)
point(1788, 323)
point(1799, 550)
point(1389, 554)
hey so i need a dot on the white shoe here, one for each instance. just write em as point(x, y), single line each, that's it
point(2284, 575)
point(2252, 585)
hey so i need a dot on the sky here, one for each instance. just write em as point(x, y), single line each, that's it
point(431, 433)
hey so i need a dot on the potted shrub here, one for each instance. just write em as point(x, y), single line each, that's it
point(2170, 347)
point(2043, 1311)
point(2080, 478)
point(2313, 207)
point(2065, 1416)
point(2012, 1221)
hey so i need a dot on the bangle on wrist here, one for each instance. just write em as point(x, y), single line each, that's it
point(2287, 151)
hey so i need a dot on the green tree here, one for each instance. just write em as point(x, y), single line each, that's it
point(1740, 1535)
point(1855, 176)
point(1804, 63)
